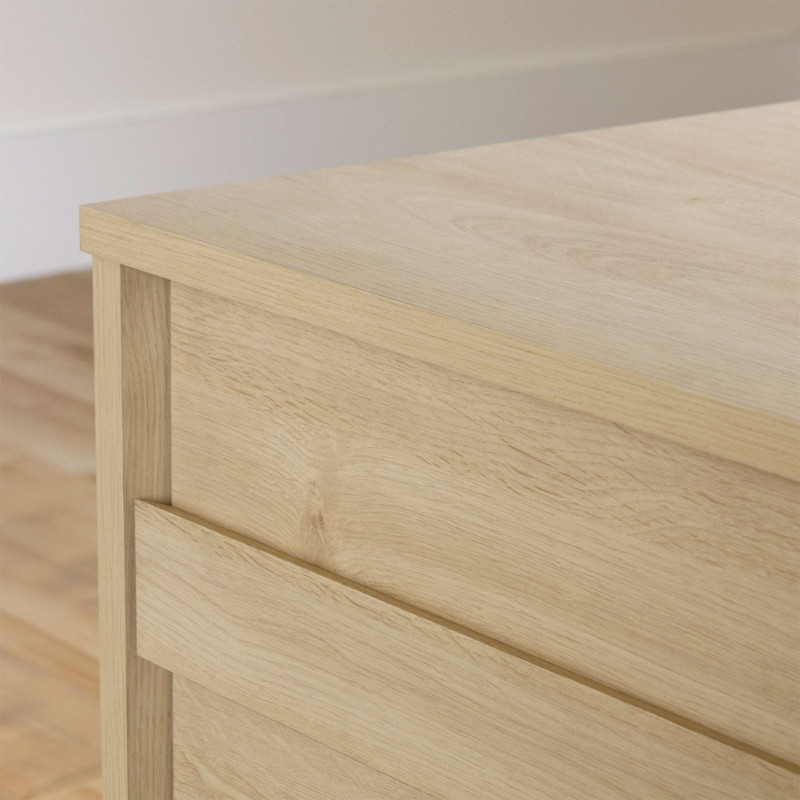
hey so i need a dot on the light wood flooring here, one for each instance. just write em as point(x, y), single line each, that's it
point(49, 710)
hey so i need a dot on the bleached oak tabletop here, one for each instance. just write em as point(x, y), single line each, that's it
point(648, 273)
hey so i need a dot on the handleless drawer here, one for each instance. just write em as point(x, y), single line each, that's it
point(421, 699)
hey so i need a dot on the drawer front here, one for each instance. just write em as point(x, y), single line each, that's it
point(663, 572)
point(222, 749)
point(415, 697)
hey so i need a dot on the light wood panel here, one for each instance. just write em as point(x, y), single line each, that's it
point(660, 571)
point(420, 699)
point(223, 749)
point(132, 396)
point(637, 402)
point(647, 266)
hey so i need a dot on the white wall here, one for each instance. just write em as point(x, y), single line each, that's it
point(71, 62)
point(104, 98)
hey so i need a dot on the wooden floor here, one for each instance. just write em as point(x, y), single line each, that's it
point(49, 714)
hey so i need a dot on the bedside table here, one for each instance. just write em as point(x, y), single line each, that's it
point(470, 475)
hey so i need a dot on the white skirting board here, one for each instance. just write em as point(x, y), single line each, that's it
point(44, 178)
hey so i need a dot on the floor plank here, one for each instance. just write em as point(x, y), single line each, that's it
point(48, 569)
point(49, 709)
point(49, 705)
point(86, 790)
point(47, 352)
point(46, 424)
point(65, 299)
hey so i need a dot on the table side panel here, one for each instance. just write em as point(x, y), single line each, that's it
point(727, 430)
point(663, 572)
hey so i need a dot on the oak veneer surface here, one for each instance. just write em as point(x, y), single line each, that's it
point(425, 701)
point(665, 252)
point(223, 749)
point(662, 571)
point(131, 325)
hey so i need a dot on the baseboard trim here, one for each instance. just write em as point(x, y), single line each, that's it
point(46, 177)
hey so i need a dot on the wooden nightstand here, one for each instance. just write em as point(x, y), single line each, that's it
point(471, 475)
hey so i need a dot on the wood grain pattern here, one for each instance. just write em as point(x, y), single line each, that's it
point(646, 265)
point(132, 396)
point(644, 565)
point(418, 698)
point(223, 749)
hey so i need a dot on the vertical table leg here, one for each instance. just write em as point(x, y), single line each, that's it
point(133, 461)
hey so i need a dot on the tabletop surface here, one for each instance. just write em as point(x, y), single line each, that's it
point(667, 249)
